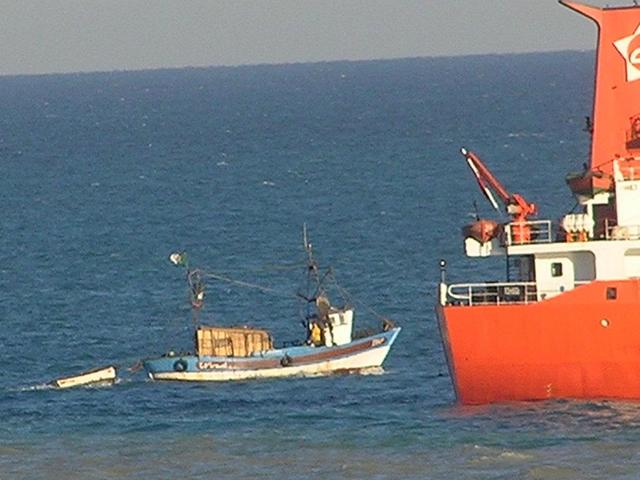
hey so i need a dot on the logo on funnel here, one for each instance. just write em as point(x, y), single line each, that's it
point(629, 48)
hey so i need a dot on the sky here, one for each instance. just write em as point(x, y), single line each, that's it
point(60, 36)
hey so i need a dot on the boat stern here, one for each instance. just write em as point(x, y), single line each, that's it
point(170, 366)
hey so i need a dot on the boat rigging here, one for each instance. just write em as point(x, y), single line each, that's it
point(237, 353)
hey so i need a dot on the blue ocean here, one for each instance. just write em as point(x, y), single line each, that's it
point(104, 175)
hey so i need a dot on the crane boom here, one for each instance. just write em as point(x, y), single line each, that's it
point(515, 205)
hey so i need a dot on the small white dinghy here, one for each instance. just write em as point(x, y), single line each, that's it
point(102, 375)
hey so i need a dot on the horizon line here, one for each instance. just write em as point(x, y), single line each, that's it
point(282, 64)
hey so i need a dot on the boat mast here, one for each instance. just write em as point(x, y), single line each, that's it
point(313, 276)
point(195, 282)
point(312, 265)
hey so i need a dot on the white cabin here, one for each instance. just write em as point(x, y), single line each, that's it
point(602, 243)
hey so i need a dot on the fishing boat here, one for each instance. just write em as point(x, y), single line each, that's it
point(98, 376)
point(241, 353)
point(564, 321)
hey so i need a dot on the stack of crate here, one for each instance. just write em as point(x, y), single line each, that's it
point(231, 342)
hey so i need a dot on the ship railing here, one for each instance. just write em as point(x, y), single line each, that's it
point(525, 233)
point(629, 169)
point(619, 232)
point(497, 293)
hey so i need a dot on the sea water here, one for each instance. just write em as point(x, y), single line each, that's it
point(104, 175)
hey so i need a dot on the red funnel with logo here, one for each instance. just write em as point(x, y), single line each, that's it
point(616, 110)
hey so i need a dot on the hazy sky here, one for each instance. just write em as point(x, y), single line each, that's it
point(43, 36)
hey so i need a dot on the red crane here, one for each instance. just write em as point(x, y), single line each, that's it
point(515, 205)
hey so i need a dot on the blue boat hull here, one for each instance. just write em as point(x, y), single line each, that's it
point(363, 353)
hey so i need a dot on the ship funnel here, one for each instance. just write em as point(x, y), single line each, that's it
point(616, 106)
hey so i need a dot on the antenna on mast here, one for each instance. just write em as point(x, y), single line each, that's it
point(312, 266)
point(305, 238)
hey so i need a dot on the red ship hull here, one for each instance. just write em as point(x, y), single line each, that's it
point(580, 344)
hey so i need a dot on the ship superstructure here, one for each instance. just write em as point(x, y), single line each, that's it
point(566, 320)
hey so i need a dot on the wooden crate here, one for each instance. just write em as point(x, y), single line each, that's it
point(231, 342)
